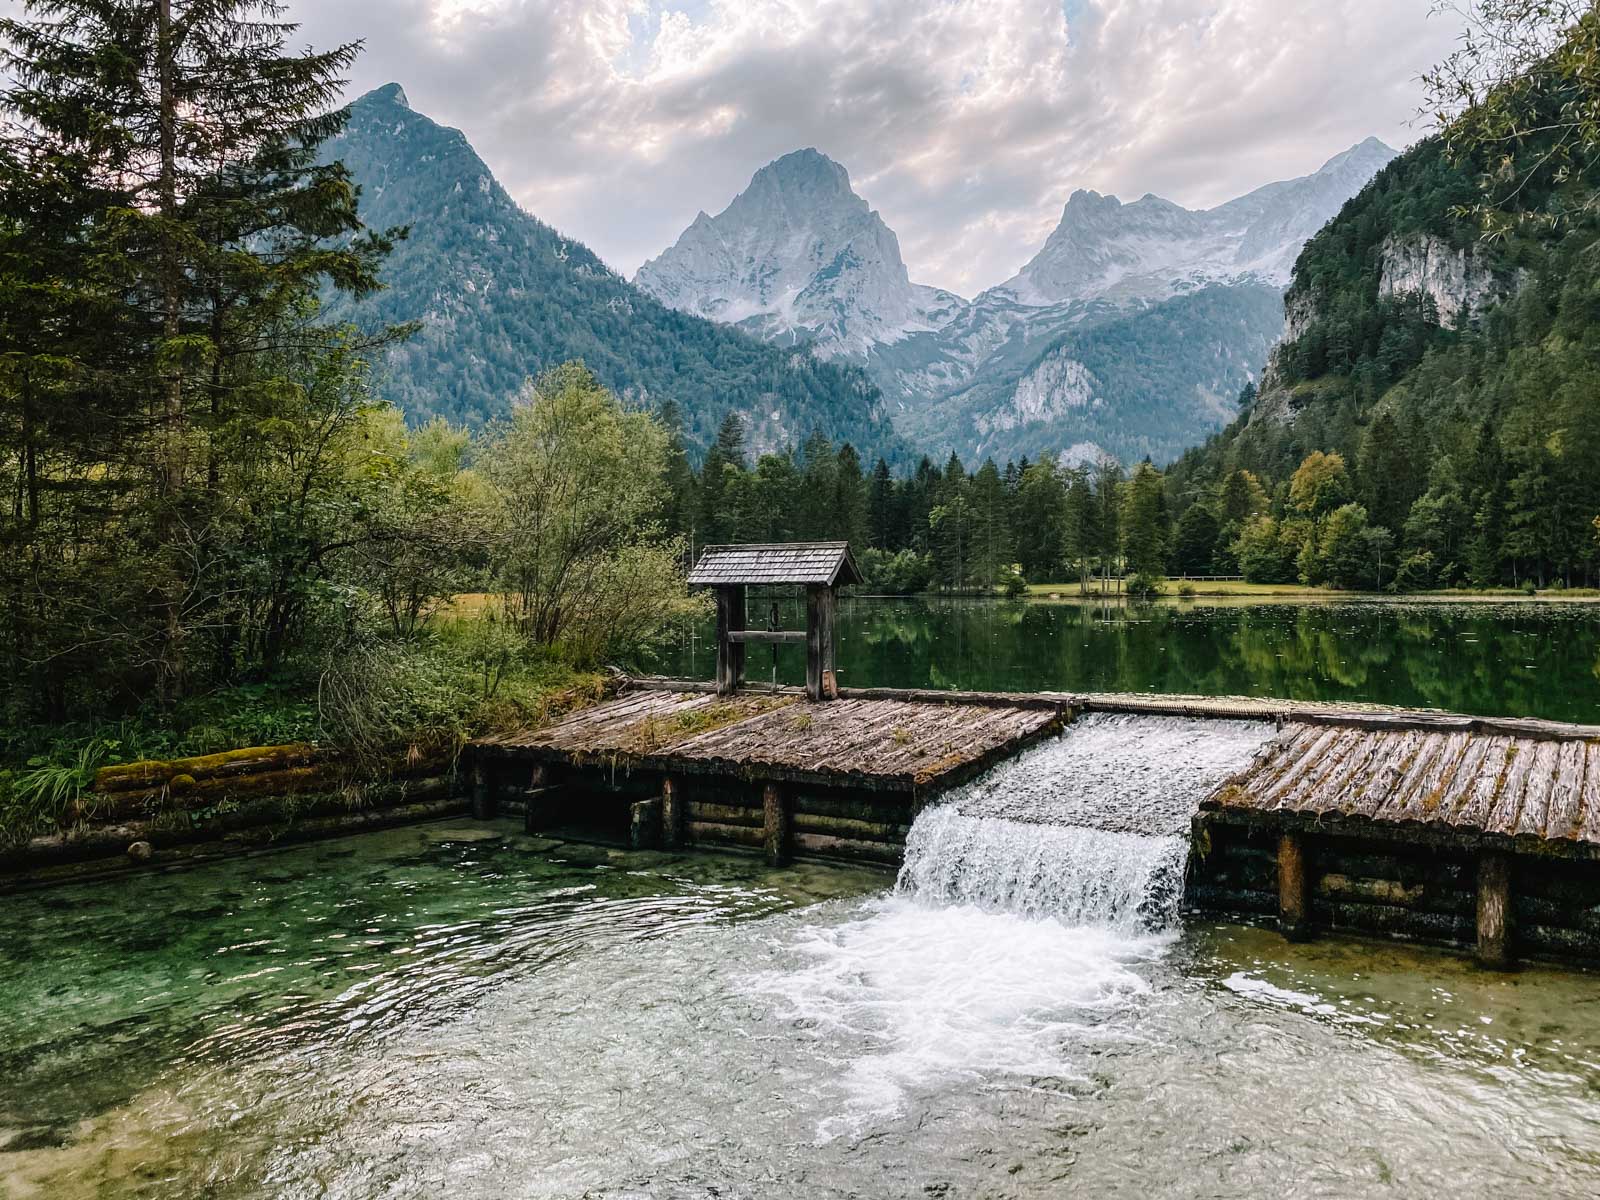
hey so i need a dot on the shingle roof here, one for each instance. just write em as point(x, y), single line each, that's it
point(777, 562)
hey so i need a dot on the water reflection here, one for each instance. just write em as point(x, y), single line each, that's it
point(1493, 659)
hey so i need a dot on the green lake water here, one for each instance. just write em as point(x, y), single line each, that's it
point(467, 1012)
point(1491, 659)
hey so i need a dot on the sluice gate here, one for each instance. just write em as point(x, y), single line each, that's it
point(1435, 827)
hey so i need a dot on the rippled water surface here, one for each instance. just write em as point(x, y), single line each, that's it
point(468, 1012)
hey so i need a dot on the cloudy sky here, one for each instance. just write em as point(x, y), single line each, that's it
point(966, 123)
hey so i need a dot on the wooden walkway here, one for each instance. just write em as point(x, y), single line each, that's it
point(876, 744)
point(1455, 781)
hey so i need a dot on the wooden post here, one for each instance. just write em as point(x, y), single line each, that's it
point(672, 812)
point(730, 654)
point(483, 790)
point(644, 824)
point(775, 814)
point(1494, 910)
point(1294, 890)
point(532, 809)
point(821, 679)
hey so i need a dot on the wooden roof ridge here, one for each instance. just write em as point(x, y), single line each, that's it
point(731, 563)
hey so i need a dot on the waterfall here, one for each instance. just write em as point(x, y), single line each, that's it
point(1089, 829)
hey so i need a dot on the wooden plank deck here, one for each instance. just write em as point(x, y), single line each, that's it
point(1355, 767)
point(1469, 784)
point(880, 744)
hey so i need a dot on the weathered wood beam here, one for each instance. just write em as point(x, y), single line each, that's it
point(1494, 910)
point(821, 679)
point(776, 819)
point(485, 778)
point(674, 815)
point(766, 635)
point(1294, 892)
point(644, 824)
point(730, 653)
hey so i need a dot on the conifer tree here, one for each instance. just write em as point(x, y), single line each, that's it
point(171, 148)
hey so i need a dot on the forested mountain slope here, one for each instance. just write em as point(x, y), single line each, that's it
point(501, 297)
point(1455, 377)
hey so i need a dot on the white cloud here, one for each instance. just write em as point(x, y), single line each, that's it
point(965, 122)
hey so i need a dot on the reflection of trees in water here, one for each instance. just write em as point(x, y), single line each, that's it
point(1499, 659)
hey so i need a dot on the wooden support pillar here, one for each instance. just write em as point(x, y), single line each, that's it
point(1494, 910)
point(674, 815)
point(1294, 888)
point(821, 640)
point(485, 802)
point(644, 824)
point(775, 822)
point(535, 801)
point(730, 654)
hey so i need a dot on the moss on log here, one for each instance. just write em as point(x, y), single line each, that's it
point(246, 761)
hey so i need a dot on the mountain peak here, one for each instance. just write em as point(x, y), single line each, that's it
point(797, 255)
point(807, 171)
point(1369, 154)
point(389, 93)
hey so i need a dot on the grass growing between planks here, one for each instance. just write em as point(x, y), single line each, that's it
point(426, 695)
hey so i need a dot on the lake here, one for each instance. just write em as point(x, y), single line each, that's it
point(1513, 658)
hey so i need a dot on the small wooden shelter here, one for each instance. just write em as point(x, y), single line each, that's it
point(820, 567)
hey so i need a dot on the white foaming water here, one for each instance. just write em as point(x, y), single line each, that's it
point(1078, 876)
point(1030, 903)
point(1091, 829)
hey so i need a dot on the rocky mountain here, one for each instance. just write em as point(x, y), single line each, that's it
point(799, 256)
point(1153, 249)
point(501, 296)
point(1443, 383)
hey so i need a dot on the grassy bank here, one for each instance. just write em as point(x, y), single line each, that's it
point(428, 696)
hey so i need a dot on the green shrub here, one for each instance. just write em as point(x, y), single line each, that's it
point(1146, 585)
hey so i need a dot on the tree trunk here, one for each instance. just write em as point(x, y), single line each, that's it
point(170, 469)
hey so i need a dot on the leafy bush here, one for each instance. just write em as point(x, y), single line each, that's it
point(1145, 585)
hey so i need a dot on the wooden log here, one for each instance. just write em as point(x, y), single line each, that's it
point(775, 825)
point(1494, 910)
point(853, 849)
point(726, 814)
point(137, 776)
point(1294, 908)
point(870, 831)
point(880, 809)
point(184, 792)
point(822, 681)
point(674, 818)
point(484, 799)
point(730, 653)
point(702, 832)
point(644, 824)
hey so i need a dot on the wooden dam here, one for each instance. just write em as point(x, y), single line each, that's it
point(1435, 827)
